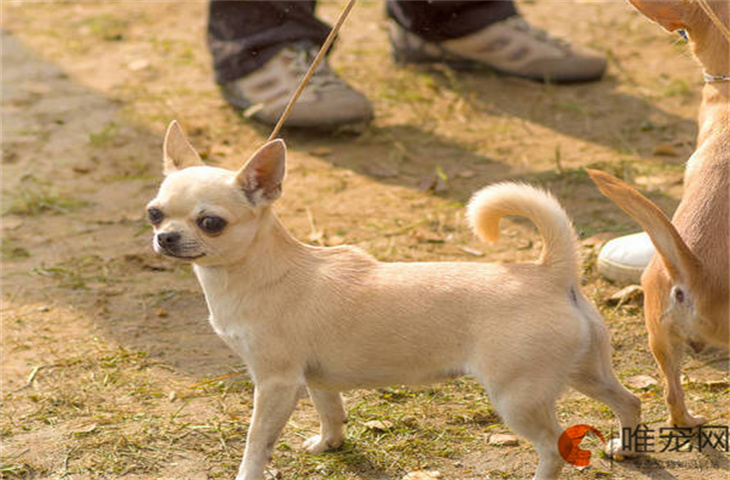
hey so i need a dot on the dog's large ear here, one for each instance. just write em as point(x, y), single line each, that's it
point(681, 263)
point(263, 174)
point(670, 14)
point(178, 153)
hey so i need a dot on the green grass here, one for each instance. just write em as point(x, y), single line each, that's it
point(35, 198)
point(10, 250)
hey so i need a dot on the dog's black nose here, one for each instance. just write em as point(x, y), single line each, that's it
point(168, 239)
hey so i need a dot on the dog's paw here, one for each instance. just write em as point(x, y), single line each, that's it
point(688, 421)
point(316, 445)
point(615, 450)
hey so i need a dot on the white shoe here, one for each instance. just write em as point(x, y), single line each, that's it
point(624, 259)
point(326, 102)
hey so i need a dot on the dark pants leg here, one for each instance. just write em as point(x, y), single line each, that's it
point(439, 20)
point(243, 35)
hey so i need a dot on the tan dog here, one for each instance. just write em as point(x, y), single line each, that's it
point(686, 284)
point(335, 319)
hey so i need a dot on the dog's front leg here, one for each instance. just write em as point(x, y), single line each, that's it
point(273, 403)
point(668, 353)
point(332, 421)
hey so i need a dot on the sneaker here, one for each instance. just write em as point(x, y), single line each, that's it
point(624, 259)
point(326, 102)
point(510, 46)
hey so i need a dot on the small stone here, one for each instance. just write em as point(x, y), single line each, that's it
point(641, 382)
point(163, 313)
point(423, 475)
point(82, 169)
point(139, 64)
point(504, 440)
point(379, 425)
point(44, 308)
point(172, 396)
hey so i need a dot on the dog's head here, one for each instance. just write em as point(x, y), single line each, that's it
point(706, 21)
point(210, 215)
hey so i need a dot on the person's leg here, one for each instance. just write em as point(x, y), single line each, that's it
point(486, 33)
point(440, 20)
point(244, 35)
point(261, 50)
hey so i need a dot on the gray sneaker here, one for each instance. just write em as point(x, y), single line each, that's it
point(511, 47)
point(326, 102)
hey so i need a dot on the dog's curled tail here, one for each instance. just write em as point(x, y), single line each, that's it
point(560, 247)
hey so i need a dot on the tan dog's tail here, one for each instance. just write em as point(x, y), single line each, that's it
point(678, 259)
point(490, 204)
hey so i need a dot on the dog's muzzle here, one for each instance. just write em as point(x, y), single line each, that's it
point(169, 242)
point(172, 245)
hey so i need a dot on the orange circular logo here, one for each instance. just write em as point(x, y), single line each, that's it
point(569, 445)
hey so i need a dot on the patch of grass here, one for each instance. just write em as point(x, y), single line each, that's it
point(676, 87)
point(76, 273)
point(108, 27)
point(33, 197)
point(9, 250)
point(105, 136)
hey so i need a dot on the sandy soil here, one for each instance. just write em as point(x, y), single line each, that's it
point(109, 368)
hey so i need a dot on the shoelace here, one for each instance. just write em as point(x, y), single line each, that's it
point(324, 78)
point(539, 34)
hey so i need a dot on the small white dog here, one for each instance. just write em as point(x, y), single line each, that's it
point(335, 319)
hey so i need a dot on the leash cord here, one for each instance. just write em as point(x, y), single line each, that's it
point(315, 63)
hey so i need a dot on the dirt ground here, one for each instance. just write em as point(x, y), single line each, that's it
point(109, 367)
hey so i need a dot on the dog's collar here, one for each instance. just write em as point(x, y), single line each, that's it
point(709, 78)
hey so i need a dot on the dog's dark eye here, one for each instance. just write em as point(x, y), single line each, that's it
point(155, 216)
point(679, 294)
point(211, 224)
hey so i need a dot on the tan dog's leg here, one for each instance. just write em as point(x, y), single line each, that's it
point(597, 380)
point(668, 355)
point(332, 421)
point(273, 403)
point(528, 407)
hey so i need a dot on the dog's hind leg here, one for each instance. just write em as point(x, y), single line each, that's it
point(332, 418)
point(595, 378)
point(528, 407)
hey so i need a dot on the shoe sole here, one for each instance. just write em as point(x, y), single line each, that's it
point(416, 57)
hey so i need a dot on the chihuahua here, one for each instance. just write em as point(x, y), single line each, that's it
point(686, 284)
point(335, 319)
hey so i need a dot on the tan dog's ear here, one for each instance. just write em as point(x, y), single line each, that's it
point(680, 262)
point(178, 153)
point(263, 174)
point(667, 13)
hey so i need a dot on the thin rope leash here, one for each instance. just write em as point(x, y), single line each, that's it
point(317, 60)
